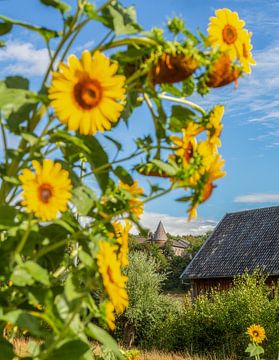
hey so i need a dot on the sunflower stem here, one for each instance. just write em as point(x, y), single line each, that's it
point(182, 101)
point(24, 238)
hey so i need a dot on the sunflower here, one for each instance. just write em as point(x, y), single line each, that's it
point(113, 280)
point(172, 68)
point(226, 32)
point(109, 314)
point(222, 72)
point(213, 172)
point(256, 333)
point(86, 93)
point(246, 58)
point(122, 233)
point(134, 191)
point(215, 126)
point(47, 191)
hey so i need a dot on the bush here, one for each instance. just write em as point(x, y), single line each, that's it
point(144, 322)
point(218, 323)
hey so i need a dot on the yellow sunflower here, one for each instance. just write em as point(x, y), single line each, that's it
point(215, 126)
point(109, 314)
point(246, 58)
point(122, 235)
point(47, 191)
point(86, 93)
point(226, 32)
point(256, 333)
point(214, 172)
point(113, 280)
point(186, 146)
point(136, 205)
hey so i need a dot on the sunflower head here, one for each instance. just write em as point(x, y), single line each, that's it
point(86, 94)
point(226, 31)
point(136, 205)
point(173, 68)
point(245, 57)
point(222, 72)
point(113, 280)
point(256, 333)
point(46, 191)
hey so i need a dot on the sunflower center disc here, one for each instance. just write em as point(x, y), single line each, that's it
point(229, 34)
point(88, 94)
point(45, 193)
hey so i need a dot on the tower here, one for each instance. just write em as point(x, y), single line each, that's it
point(160, 236)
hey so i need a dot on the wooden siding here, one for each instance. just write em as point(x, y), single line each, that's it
point(203, 286)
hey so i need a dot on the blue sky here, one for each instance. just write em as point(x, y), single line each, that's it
point(250, 139)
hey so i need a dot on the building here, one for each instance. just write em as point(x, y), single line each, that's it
point(160, 238)
point(242, 241)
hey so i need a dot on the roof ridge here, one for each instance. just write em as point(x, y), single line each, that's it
point(251, 210)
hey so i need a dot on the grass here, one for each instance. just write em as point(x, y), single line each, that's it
point(21, 349)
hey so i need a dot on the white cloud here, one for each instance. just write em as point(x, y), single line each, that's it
point(176, 225)
point(23, 59)
point(257, 198)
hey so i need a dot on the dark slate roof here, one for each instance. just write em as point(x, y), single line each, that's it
point(160, 233)
point(180, 244)
point(243, 240)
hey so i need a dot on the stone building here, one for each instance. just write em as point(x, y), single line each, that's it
point(160, 238)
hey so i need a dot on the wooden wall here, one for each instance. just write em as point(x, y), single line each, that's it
point(202, 286)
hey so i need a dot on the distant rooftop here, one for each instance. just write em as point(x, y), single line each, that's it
point(160, 233)
point(243, 240)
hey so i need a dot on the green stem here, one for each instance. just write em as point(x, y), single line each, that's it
point(4, 142)
point(129, 41)
point(50, 248)
point(24, 238)
point(155, 121)
point(184, 102)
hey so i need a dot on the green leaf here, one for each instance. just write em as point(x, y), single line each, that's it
point(47, 34)
point(83, 199)
point(25, 320)
point(29, 272)
point(104, 338)
point(171, 89)
point(167, 168)
point(184, 199)
point(90, 11)
point(37, 272)
point(6, 350)
point(115, 142)
point(180, 117)
point(7, 216)
point(97, 157)
point(254, 350)
point(57, 4)
point(188, 86)
point(21, 277)
point(71, 350)
point(123, 175)
point(122, 20)
point(5, 28)
point(17, 82)
point(12, 99)
point(90, 147)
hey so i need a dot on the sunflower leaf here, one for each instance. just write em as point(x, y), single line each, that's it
point(180, 116)
point(123, 20)
point(5, 28)
point(57, 4)
point(46, 33)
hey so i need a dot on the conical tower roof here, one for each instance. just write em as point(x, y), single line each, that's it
point(160, 233)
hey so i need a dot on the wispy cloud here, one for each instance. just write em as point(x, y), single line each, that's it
point(257, 198)
point(23, 59)
point(176, 225)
